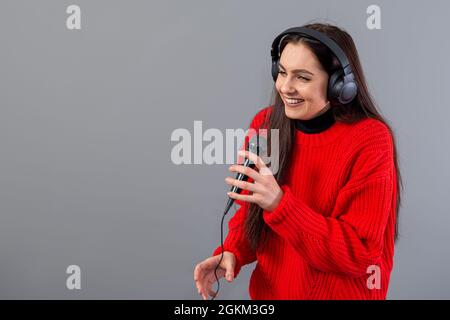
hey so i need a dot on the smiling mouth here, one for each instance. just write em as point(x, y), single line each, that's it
point(293, 102)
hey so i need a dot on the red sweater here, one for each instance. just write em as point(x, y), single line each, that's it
point(335, 220)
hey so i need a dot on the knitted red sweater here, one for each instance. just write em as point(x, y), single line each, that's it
point(332, 234)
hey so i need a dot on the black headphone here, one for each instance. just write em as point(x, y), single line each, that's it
point(342, 87)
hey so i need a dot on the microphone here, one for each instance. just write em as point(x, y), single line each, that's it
point(254, 146)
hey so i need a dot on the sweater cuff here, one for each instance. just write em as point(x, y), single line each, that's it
point(276, 213)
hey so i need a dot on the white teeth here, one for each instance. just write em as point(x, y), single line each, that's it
point(294, 101)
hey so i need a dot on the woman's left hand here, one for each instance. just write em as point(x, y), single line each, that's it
point(266, 191)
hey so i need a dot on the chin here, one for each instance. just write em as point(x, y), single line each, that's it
point(293, 114)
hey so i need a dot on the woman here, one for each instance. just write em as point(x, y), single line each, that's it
point(323, 226)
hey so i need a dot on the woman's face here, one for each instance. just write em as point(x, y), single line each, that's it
point(301, 77)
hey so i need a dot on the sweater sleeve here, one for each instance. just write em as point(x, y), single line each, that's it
point(351, 238)
point(236, 241)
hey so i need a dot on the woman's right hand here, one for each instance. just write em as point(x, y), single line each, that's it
point(204, 272)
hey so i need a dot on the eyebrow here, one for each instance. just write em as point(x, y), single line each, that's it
point(297, 70)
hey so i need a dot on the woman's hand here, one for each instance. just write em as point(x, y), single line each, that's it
point(266, 191)
point(204, 272)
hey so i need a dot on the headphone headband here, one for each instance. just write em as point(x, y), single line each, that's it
point(332, 45)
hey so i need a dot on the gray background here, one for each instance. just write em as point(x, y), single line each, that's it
point(86, 119)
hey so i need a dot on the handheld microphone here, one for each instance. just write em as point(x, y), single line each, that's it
point(254, 146)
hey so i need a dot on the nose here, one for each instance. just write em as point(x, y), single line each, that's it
point(286, 87)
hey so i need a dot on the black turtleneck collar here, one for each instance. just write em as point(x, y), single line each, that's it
point(317, 124)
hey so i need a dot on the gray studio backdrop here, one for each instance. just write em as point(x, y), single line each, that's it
point(86, 116)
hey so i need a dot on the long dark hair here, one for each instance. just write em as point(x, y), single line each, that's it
point(363, 106)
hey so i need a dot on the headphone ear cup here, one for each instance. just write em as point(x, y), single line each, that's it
point(275, 70)
point(348, 91)
point(335, 85)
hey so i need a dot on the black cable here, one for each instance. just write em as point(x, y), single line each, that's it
point(230, 202)
point(221, 256)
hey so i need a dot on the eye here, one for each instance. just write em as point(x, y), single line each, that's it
point(299, 77)
point(303, 78)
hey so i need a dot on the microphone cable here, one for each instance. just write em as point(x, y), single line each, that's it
point(240, 177)
point(254, 147)
point(221, 255)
